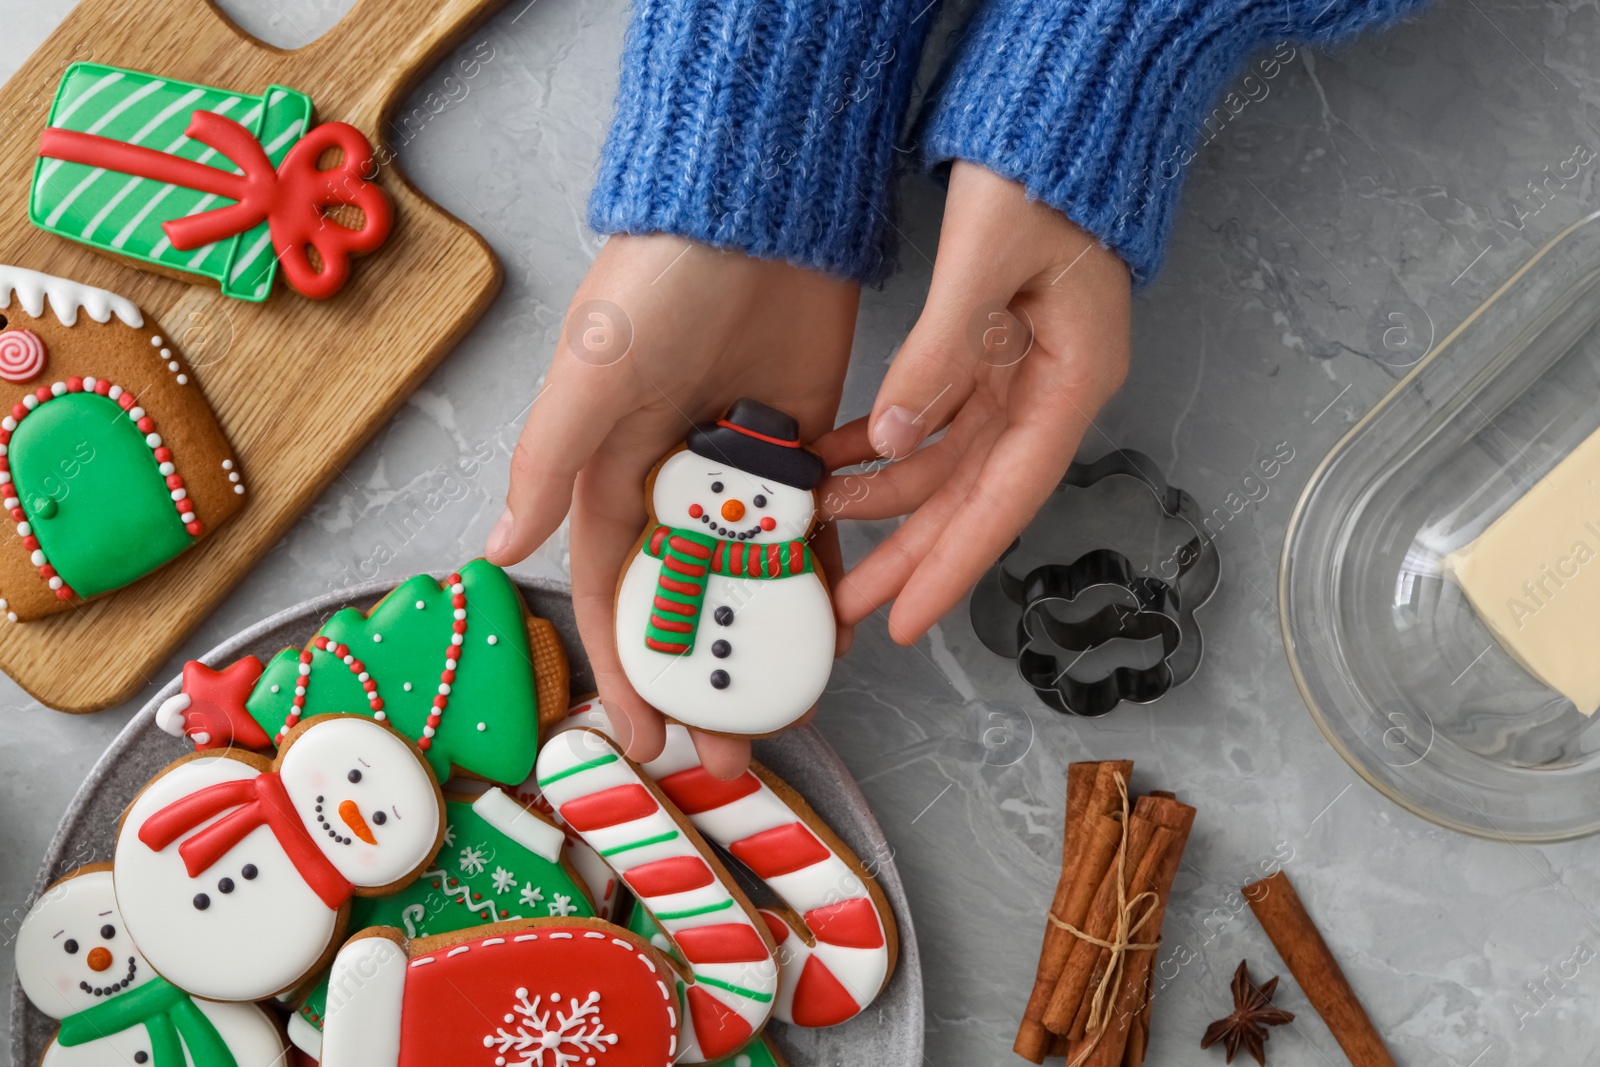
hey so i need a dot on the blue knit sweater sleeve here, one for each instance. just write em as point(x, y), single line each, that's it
point(765, 126)
point(1098, 106)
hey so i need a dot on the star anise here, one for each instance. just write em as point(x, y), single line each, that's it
point(1253, 1012)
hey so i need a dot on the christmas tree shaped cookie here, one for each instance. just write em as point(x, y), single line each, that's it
point(111, 461)
point(499, 861)
point(458, 666)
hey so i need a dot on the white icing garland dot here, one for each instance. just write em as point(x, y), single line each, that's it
point(155, 342)
point(493, 640)
point(377, 639)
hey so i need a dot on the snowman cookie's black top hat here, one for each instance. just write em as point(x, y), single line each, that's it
point(761, 440)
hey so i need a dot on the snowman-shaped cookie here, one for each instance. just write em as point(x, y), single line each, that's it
point(233, 873)
point(77, 963)
point(723, 620)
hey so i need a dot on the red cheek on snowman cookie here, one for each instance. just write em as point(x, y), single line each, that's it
point(768, 522)
point(695, 511)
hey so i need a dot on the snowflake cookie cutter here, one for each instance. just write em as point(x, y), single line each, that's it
point(1145, 570)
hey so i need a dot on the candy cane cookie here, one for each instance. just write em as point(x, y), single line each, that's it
point(731, 977)
point(836, 935)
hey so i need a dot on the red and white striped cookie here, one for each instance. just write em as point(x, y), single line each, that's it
point(836, 938)
point(620, 813)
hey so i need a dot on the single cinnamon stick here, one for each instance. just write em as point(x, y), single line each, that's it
point(1069, 989)
point(1132, 1001)
point(1281, 914)
point(1087, 846)
point(1139, 1034)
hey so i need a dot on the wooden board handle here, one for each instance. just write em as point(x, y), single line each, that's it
point(381, 48)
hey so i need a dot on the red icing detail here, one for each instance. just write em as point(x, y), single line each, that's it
point(768, 522)
point(676, 874)
point(75, 384)
point(459, 626)
point(820, 999)
point(619, 804)
point(774, 558)
point(195, 528)
point(30, 542)
point(43, 393)
point(781, 850)
point(425, 743)
point(658, 535)
point(695, 790)
point(672, 585)
point(736, 555)
point(726, 425)
point(663, 646)
point(690, 570)
point(721, 1032)
point(18, 514)
point(217, 704)
point(695, 511)
point(22, 355)
point(126, 401)
point(456, 997)
point(776, 925)
point(722, 943)
point(663, 604)
point(292, 200)
point(677, 626)
point(690, 548)
point(258, 801)
point(851, 923)
point(19, 411)
point(65, 593)
point(146, 424)
point(163, 454)
point(341, 651)
point(174, 481)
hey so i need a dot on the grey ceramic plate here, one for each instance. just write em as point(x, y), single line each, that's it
point(890, 1035)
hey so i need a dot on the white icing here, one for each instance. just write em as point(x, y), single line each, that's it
point(304, 1036)
point(366, 990)
point(686, 479)
point(79, 909)
point(518, 823)
point(570, 1029)
point(393, 780)
point(66, 297)
point(169, 716)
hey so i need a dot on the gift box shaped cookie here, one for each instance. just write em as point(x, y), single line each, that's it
point(112, 462)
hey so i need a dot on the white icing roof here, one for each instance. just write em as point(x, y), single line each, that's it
point(67, 297)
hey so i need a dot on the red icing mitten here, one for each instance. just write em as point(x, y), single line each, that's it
point(529, 991)
point(210, 710)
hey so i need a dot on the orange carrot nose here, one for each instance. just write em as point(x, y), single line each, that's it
point(351, 814)
point(99, 958)
point(733, 510)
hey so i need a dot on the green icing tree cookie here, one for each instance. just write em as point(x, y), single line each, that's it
point(447, 665)
point(499, 861)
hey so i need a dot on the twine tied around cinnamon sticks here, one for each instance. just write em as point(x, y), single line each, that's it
point(1121, 944)
point(1091, 997)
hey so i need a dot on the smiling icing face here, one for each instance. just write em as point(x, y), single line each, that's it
point(368, 801)
point(723, 501)
point(72, 950)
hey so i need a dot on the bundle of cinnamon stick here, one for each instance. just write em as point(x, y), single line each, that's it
point(1091, 995)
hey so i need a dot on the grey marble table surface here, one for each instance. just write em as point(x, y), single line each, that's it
point(1393, 173)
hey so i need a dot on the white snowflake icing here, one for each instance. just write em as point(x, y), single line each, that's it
point(504, 880)
point(473, 860)
point(541, 1027)
point(562, 905)
point(449, 835)
point(531, 895)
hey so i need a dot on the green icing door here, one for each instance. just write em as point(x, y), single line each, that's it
point(93, 493)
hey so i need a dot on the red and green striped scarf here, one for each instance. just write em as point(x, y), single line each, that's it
point(687, 558)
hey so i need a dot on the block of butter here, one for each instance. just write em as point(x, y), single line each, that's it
point(1534, 577)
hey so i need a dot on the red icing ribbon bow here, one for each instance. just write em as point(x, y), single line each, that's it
point(292, 200)
point(258, 801)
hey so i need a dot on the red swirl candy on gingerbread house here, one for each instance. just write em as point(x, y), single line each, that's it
point(111, 461)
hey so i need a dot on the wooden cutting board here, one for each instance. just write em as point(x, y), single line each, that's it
point(299, 385)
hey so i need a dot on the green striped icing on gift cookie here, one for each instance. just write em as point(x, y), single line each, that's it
point(204, 180)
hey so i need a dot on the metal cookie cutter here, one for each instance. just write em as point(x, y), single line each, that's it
point(1117, 620)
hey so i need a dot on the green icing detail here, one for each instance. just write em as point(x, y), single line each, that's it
point(641, 843)
point(689, 913)
point(748, 994)
point(494, 684)
point(587, 765)
point(425, 907)
point(122, 213)
point(114, 520)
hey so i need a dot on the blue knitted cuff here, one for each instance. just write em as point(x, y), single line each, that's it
point(765, 126)
point(1098, 106)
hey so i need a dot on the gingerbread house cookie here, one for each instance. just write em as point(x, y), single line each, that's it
point(112, 461)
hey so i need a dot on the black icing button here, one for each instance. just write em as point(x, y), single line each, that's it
point(720, 649)
point(225, 886)
point(249, 871)
point(141, 1057)
point(719, 679)
point(723, 615)
point(201, 901)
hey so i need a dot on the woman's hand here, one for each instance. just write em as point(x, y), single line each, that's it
point(663, 333)
point(1023, 338)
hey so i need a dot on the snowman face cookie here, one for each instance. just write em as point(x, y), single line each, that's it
point(364, 797)
point(72, 949)
point(721, 500)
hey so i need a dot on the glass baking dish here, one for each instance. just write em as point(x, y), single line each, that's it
point(1397, 668)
